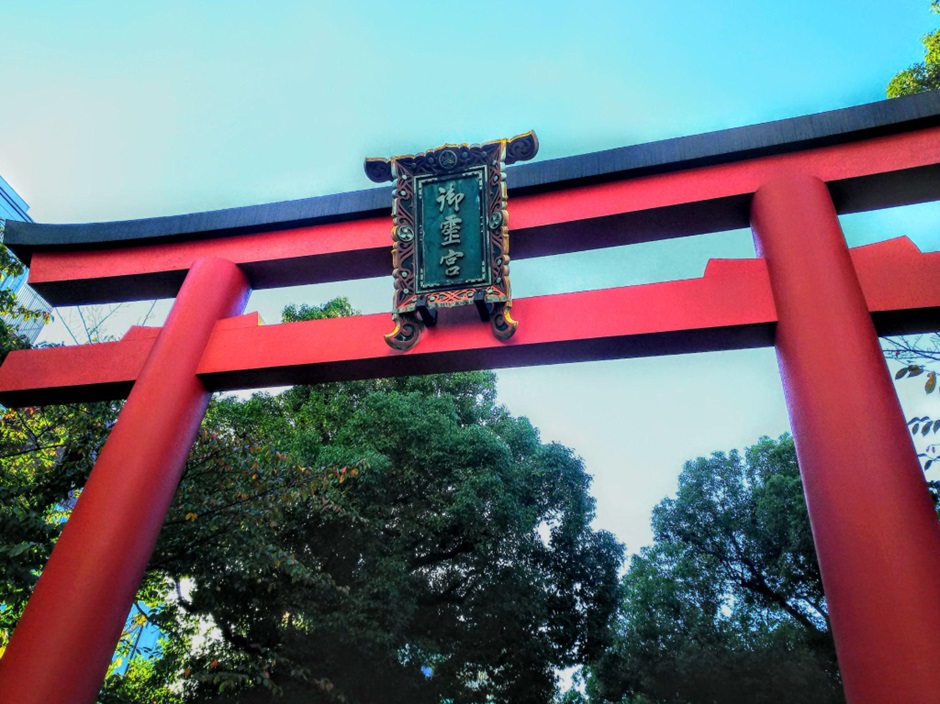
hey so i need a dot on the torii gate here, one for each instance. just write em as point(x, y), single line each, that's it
point(821, 305)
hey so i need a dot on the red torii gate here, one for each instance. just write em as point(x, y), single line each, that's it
point(876, 534)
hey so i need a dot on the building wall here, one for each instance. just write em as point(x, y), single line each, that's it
point(12, 207)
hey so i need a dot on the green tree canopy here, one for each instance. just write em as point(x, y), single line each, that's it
point(727, 604)
point(395, 540)
point(403, 540)
point(924, 75)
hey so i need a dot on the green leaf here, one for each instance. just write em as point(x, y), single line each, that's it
point(925, 430)
point(914, 370)
point(20, 549)
point(900, 373)
point(915, 428)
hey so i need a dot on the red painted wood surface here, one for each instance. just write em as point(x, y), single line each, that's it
point(575, 219)
point(876, 533)
point(63, 644)
point(730, 307)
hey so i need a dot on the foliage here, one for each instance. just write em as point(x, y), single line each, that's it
point(924, 75)
point(727, 604)
point(336, 308)
point(394, 540)
point(918, 354)
point(237, 491)
point(415, 575)
point(45, 457)
point(400, 540)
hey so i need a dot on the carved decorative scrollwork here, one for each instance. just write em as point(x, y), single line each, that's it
point(378, 169)
point(422, 181)
point(407, 332)
point(503, 324)
point(522, 147)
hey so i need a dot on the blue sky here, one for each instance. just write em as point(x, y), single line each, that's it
point(120, 110)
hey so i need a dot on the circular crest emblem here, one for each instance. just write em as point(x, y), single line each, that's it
point(448, 159)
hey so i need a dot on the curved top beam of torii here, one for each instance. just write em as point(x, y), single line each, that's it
point(871, 156)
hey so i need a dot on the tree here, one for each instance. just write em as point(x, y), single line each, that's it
point(45, 457)
point(924, 75)
point(727, 604)
point(399, 540)
point(337, 543)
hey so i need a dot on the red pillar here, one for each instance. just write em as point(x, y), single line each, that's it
point(61, 649)
point(876, 534)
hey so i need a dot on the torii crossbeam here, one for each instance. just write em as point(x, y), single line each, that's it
point(876, 534)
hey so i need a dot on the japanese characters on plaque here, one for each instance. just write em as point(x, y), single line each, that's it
point(450, 233)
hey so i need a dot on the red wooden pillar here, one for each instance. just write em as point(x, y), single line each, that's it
point(876, 534)
point(61, 649)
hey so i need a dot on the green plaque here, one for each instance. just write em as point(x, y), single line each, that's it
point(454, 246)
point(450, 233)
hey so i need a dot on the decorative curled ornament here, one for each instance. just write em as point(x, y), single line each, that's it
point(378, 170)
point(522, 148)
point(406, 333)
point(450, 233)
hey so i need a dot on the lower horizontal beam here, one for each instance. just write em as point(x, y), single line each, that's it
point(730, 307)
